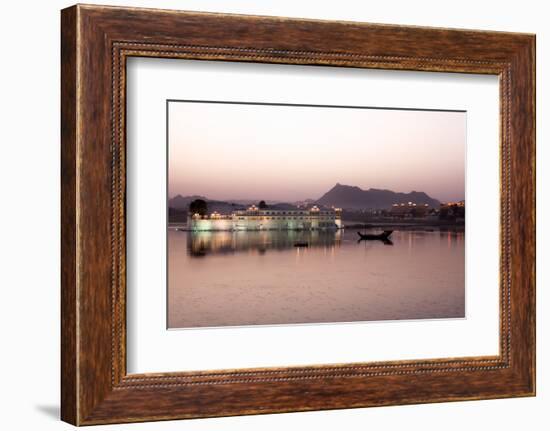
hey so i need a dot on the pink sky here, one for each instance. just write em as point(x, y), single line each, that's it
point(289, 153)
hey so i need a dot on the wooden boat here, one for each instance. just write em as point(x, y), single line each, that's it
point(384, 236)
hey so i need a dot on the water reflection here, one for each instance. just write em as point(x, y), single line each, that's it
point(200, 244)
point(262, 277)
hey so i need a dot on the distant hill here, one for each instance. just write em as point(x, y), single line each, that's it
point(179, 205)
point(353, 197)
point(250, 201)
point(346, 197)
point(182, 202)
point(305, 202)
point(282, 206)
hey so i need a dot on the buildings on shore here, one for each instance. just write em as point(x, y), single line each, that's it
point(254, 218)
point(411, 210)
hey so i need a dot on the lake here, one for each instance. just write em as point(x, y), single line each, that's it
point(261, 278)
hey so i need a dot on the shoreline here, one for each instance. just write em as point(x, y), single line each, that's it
point(412, 224)
point(375, 225)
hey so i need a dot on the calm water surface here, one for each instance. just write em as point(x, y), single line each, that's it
point(258, 278)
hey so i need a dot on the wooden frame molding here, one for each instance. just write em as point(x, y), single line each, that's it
point(95, 43)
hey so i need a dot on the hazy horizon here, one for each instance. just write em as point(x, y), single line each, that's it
point(293, 153)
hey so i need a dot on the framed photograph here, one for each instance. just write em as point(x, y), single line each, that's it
point(264, 215)
point(272, 254)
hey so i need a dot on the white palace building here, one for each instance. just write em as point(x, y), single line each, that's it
point(255, 218)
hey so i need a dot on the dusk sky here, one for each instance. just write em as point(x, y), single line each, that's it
point(289, 153)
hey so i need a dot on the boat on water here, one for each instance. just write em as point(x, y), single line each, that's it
point(384, 236)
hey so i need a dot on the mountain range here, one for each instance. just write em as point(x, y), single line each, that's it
point(342, 196)
point(353, 197)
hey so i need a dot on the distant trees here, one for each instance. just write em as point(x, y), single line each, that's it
point(198, 206)
point(443, 212)
point(416, 212)
point(452, 211)
point(460, 211)
point(262, 205)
